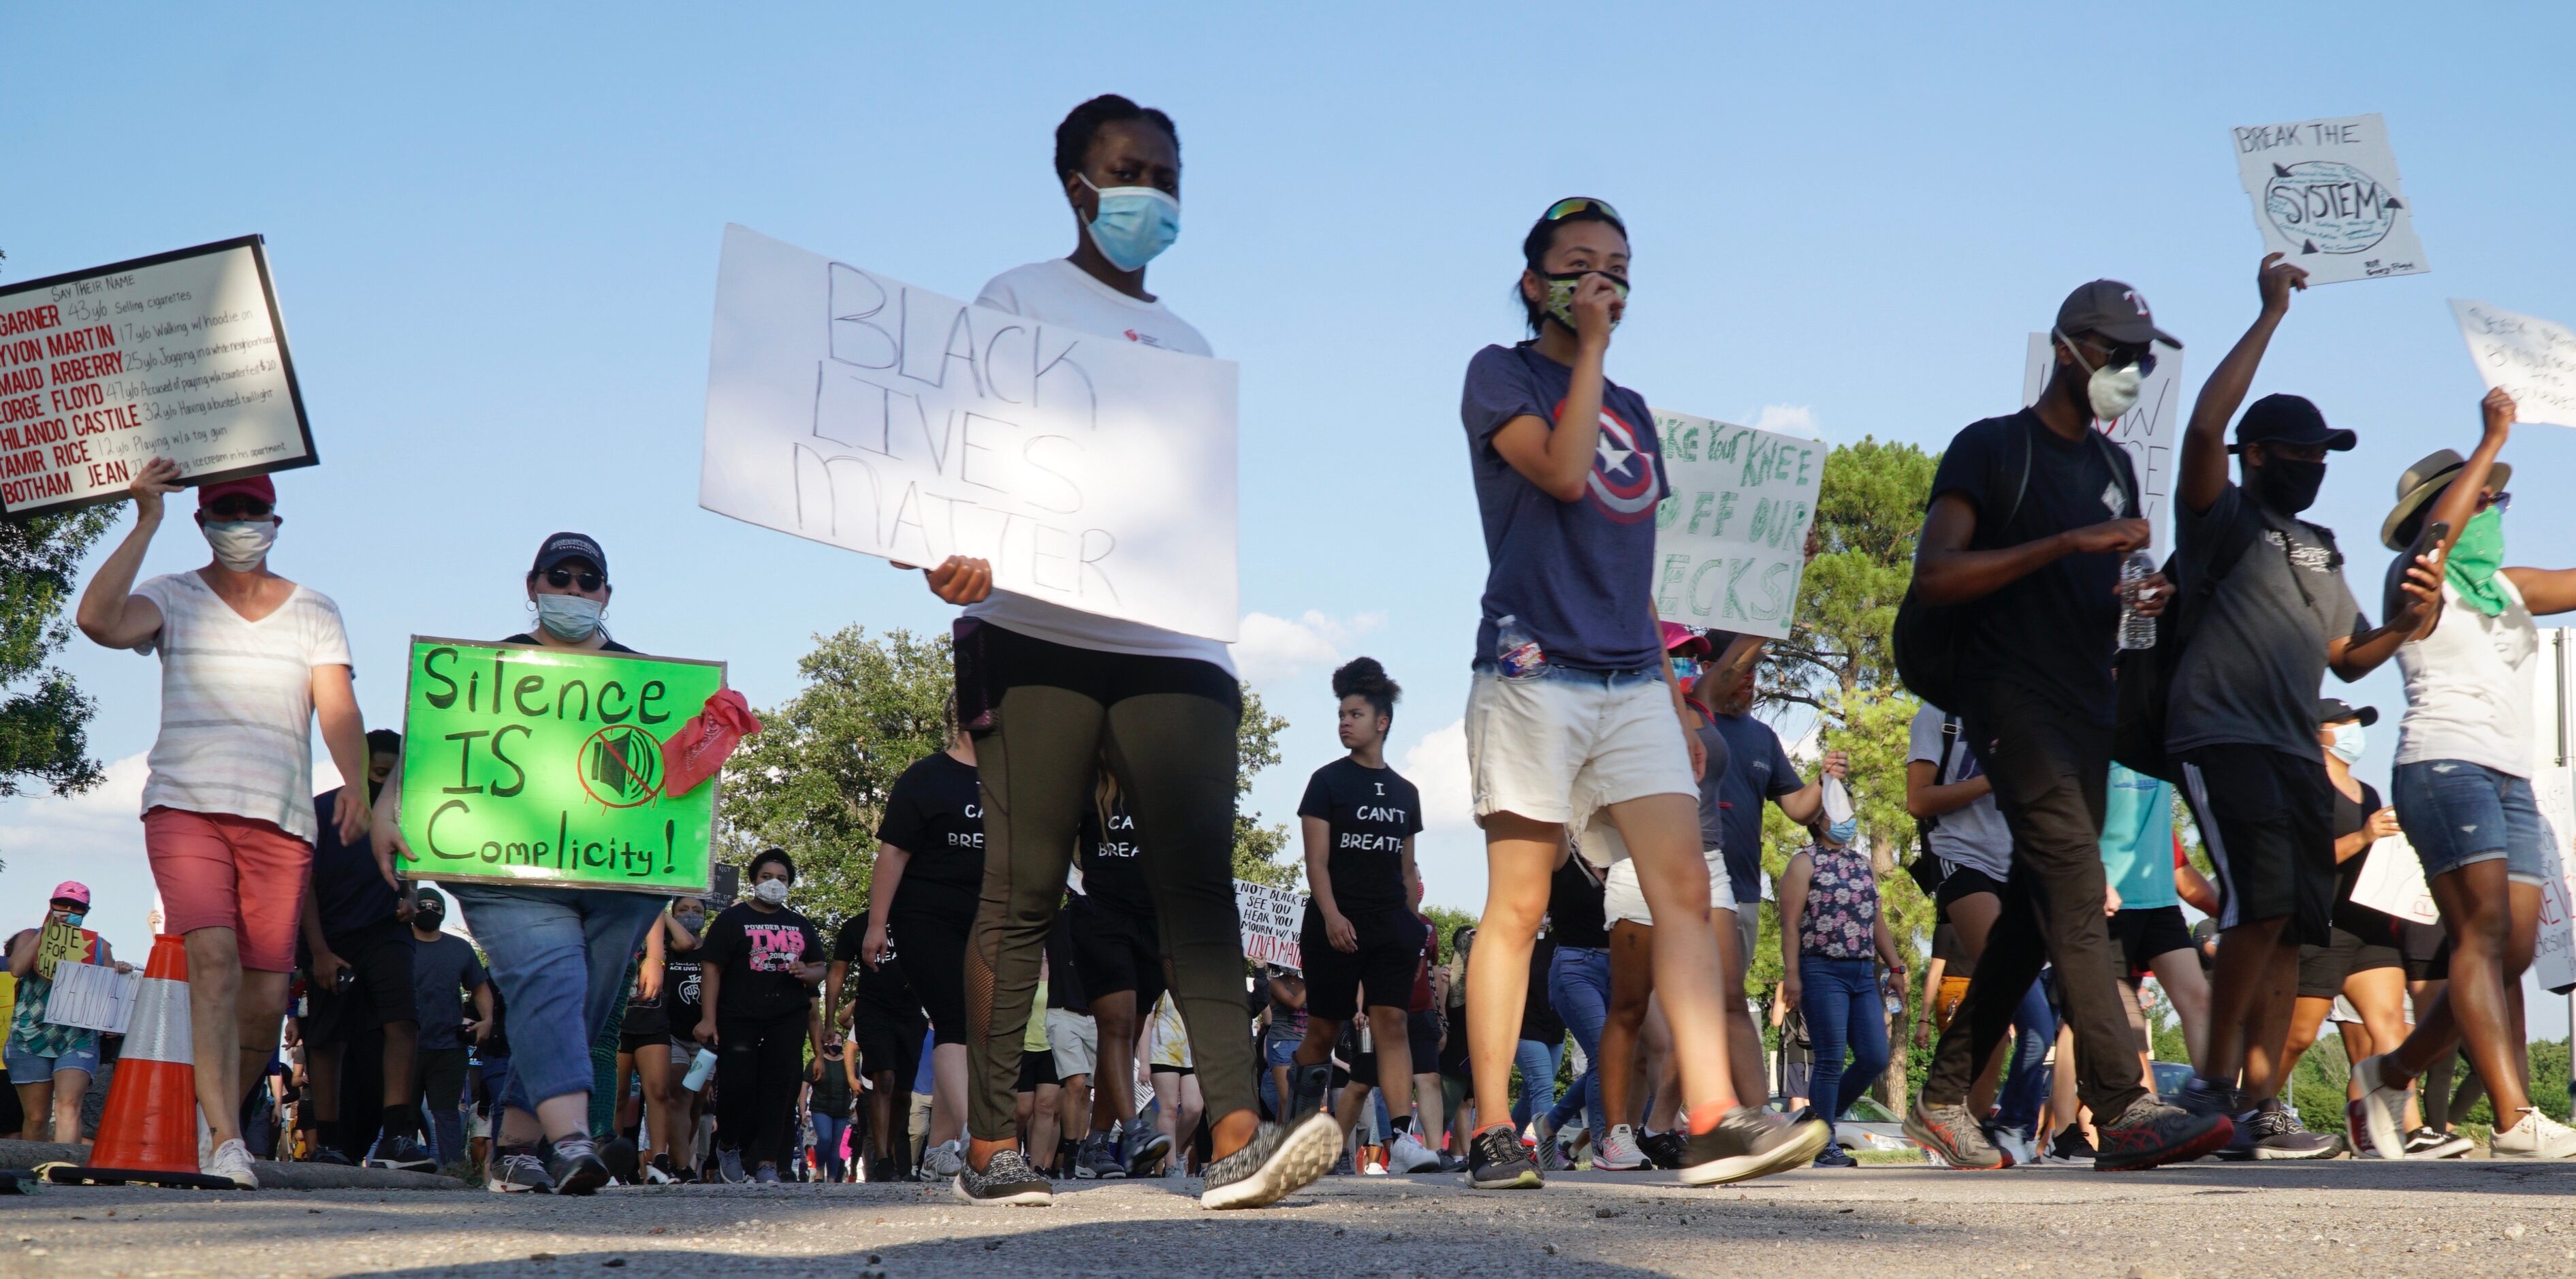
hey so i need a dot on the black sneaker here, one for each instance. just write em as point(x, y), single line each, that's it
point(517, 1170)
point(1664, 1150)
point(1497, 1161)
point(2151, 1134)
point(402, 1154)
point(1952, 1136)
point(326, 1155)
point(1834, 1156)
point(2203, 1098)
point(1146, 1147)
point(1006, 1179)
point(1278, 1161)
point(2071, 1148)
point(1750, 1142)
point(575, 1167)
point(622, 1159)
point(1306, 1088)
point(2429, 1143)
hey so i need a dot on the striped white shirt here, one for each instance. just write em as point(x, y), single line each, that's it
point(237, 702)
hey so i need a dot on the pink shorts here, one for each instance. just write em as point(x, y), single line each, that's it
point(216, 870)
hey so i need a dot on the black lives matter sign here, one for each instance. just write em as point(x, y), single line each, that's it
point(179, 355)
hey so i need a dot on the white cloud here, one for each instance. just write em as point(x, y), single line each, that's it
point(102, 821)
point(1437, 767)
point(1789, 419)
point(1275, 648)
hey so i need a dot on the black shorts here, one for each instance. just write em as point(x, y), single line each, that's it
point(1422, 1036)
point(1036, 1068)
point(933, 947)
point(2267, 820)
point(1114, 951)
point(2323, 968)
point(1961, 882)
point(380, 955)
point(889, 1038)
point(2427, 950)
point(1389, 954)
point(634, 1044)
point(2147, 932)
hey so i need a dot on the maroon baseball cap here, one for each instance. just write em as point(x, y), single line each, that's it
point(256, 487)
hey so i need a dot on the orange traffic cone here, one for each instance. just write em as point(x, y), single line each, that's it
point(149, 1130)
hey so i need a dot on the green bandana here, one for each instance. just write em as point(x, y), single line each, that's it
point(2475, 557)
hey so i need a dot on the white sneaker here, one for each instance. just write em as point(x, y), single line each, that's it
point(231, 1160)
point(1618, 1152)
point(1409, 1155)
point(2537, 1137)
point(945, 1160)
point(2383, 1109)
point(1374, 1169)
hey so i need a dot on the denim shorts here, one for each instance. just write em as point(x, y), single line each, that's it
point(2456, 813)
point(28, 1068)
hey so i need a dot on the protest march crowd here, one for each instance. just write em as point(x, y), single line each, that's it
point(1049, 981)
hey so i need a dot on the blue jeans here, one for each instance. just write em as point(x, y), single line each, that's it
point(1841, 1003)
point(1276, 1050)
point(2026, 1081)
point(559, 956)
point(1537, 1060)
point(1578, 985)
point(827, 1143)
point(2455, 813)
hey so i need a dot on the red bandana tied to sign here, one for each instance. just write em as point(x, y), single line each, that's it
point(704, 743)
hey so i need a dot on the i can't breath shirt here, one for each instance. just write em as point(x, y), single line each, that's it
point(1369, 813)
point(1113, 868)
point(936, 814)
point(758, 951)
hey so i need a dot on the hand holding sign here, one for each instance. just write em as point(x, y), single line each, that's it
point(2531, 360)
point(2325, 194)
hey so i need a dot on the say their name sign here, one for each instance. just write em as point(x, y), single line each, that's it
point(1731, 540)
point(854, 409)
point(2532, 359)
point(2325, 193)
point(2151, 430)
point(179, 355)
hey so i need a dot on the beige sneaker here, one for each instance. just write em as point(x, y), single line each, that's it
point(2537, 1137)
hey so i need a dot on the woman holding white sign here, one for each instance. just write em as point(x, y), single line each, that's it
point(2463, 782)
point(50, 1064)
point(1573, 718)
point(1047, 691)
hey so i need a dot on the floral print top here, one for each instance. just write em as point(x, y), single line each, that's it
point(1842, 905)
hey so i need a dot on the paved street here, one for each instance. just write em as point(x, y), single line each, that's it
point(2276, 1219)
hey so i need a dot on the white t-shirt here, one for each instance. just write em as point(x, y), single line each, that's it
point(1058, 292)
point(1973, 836)
point(237, 702)
point(2469, 686)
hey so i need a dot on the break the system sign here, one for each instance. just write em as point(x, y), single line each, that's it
point(537, 765)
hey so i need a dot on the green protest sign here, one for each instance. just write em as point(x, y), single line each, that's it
point(540, 765)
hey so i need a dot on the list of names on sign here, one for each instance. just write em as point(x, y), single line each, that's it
point(180, 355)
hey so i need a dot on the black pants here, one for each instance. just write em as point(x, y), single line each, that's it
point(438, 1085)
point(1166, 727)
point(2050, 769)
point(759, 1069)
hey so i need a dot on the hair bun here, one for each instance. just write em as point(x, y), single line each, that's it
point(1365, 677)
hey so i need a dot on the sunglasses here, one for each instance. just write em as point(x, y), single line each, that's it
point(2120, 357)
point(1572, 205)
point(2501, 501)
point(233, 508)
point(563, 578)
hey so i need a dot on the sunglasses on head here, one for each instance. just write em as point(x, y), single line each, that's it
point(563, 578)
point(1572, 205)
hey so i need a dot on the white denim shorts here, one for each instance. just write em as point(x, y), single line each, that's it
point(1622, 899)
point(1562, 745)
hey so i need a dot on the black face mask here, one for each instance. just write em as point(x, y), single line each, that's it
point(2289, 486)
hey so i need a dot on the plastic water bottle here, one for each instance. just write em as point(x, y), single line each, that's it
point(1516, 652)
point(700, 1066)
point(2136, 629)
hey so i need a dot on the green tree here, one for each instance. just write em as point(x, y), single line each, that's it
point(44, 717)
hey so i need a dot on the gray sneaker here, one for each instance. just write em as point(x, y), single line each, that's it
point(1278, 1161)
point(1146, 1146)
point(517, 1170)
point(1096, 1161)
point(1007, 1179)
point(945, 1160)
point(2273, 1131)
point(729, 1166)
point(1951, 1136)
point(1750, 1142)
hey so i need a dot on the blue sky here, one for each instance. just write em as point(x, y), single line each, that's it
point(494, 237)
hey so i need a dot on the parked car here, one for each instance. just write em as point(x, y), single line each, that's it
point(1868, 1126)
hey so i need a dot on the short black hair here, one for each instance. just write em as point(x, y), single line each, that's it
point(1364, 677)
point(1534, 247)
point(384, 741)
point(1082, 124)
point(766, 856)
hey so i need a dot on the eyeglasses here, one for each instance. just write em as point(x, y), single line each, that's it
point(563, 578)
point(1572, 205)
point(2500, 501)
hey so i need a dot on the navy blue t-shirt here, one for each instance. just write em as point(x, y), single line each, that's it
point(443, 972)
point(1578, 575)
point(349, 892)
point(1758, 769)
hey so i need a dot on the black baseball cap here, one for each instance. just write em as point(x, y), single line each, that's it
point(2113, 310)
point(2289, 419)
point(559, 547)
point(430, 903)
point(2335, 710)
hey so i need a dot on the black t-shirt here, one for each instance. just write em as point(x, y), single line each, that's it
point(1113, 869)
point(682, 990)
point(1370, 813)
point(1064, 976)
point(881, 987)
point(757, 951)
point(2053, 631)
point(936, 813)
point(349, 892)
point(1574, 911)
point(1538, 1017)
point(495, 1046)
point(605, 646)
point(2375, 927)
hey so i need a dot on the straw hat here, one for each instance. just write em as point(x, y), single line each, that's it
point(2425, 481)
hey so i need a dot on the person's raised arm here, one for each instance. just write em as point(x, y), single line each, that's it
point(1947, 572)
point(882, 883)
point(675, 939)
point(344, 733)
point(110, 613)
point(1318, 837)
point(1792, 890)
point(1802, 805)
point(1557, 456)
point(1925, 800)
point(22, 952)
point(2204, 442)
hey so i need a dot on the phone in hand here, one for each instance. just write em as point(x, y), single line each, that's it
point(2429, 541)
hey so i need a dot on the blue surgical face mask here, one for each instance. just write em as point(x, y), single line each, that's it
point(569, 617)
point(2348, 743)
point(74, 917)
point(1134, 224)
point(1844, 831)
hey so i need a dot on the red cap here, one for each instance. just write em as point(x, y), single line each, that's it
point(71, 890)
point(1683, 640)
point(256, 486)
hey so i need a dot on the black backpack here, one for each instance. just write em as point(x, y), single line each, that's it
point(1926, 872)
point(2146, 675)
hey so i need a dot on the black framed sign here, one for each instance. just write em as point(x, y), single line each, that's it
point(179, 355)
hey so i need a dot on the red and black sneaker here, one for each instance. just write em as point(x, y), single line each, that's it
point(1953, 1136)
point(2151, 1134)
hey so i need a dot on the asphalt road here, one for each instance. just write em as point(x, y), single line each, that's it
point(2338, 1218)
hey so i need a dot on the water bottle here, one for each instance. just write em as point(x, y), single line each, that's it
point(2136, 629)
point(700, 1067)
point(1516, 652)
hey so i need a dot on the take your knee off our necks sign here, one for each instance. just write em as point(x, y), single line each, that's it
point(541, 766)
point(857, 410)
point(1730, 543)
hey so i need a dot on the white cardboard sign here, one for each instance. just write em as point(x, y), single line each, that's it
point(2392, 882)
point(1731, 541)
point(2532, 359)
point(92, 996)
point(180, 355)
point(1272, 918)
point(857, 410)
point(2151, 430)
point(2325, 192)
